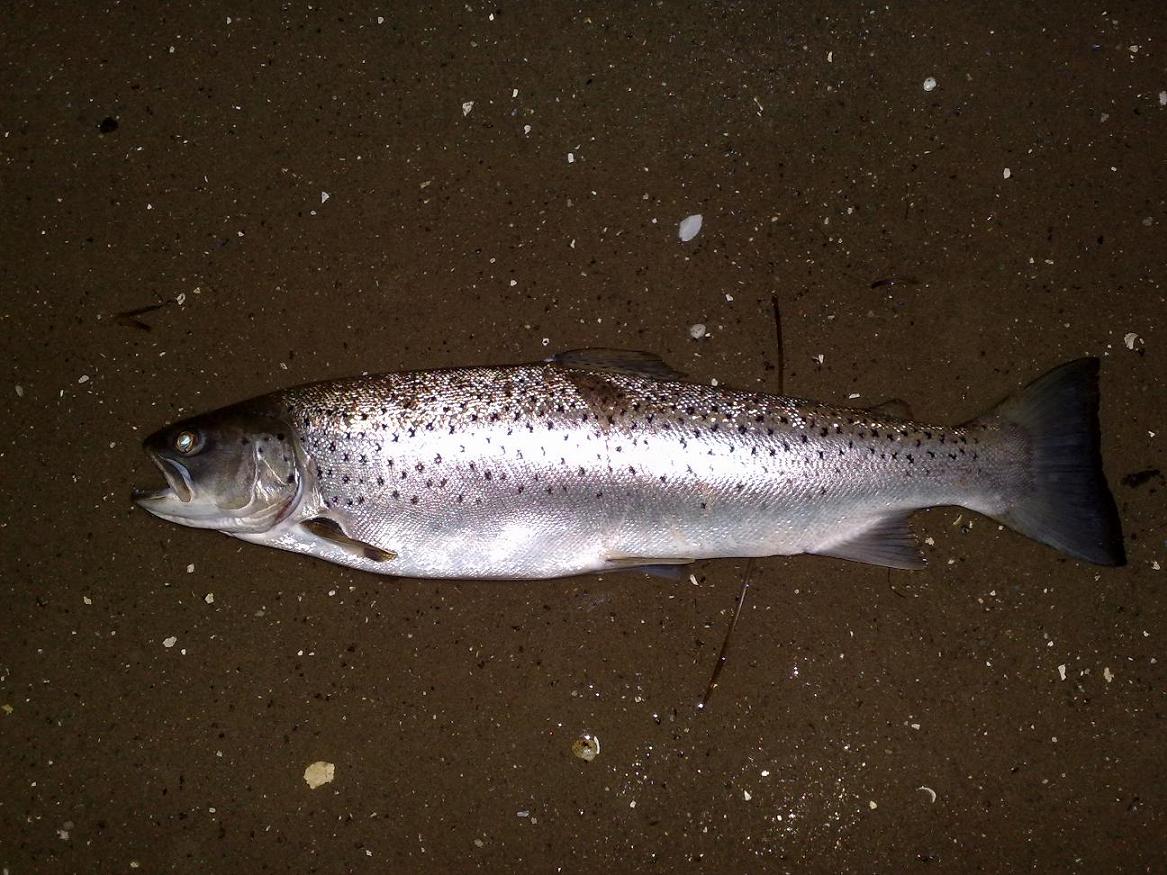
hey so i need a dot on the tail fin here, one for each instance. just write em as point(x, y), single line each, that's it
point(1069, 507)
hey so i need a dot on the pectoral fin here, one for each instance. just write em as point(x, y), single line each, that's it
point(889, 543)
point(330, 530)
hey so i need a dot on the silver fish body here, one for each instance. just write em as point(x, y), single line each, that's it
point(571, 466)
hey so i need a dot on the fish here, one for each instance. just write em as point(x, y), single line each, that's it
point(601, 460)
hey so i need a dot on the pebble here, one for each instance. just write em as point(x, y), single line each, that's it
point(586, 747)
point(929, 83)
point(697, 331)
point(690, 227)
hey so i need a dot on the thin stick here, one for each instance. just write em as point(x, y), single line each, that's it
point(781, 351)
point(721, 657)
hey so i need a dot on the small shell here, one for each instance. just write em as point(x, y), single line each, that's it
point(586, 747)
point(319, 773)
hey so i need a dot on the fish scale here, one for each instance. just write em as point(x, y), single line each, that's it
point(595, 462)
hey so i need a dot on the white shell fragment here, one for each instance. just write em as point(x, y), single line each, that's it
point(319, 773)
point(169, 641)
point(697, 331)
point(466, 107)
point(929, 83)
point(931, 793)
point(690, 227)
point(1130, 339)
point(586, 747)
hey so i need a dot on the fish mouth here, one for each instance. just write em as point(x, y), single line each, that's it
point(177, 485)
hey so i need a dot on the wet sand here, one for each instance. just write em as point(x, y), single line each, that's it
point(314, 195)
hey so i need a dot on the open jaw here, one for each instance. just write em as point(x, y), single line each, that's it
point(177, 484)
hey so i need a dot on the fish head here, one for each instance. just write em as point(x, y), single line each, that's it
point(231, 470)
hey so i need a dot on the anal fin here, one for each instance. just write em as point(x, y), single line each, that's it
point(889, 542)
point(330, 530)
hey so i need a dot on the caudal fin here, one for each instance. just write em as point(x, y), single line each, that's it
point(1069, 506)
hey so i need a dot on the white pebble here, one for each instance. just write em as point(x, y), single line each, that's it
point(169, 642)
point(690, 227)
point(1006, 173)
point(466, 107)
point(872, 805)
point(1107, 674)
point(324, 196)
point(19, 391)
point(1062, 671)
point(697, 331)
point(1163, 98)
point(1130, 339)
point(570, 157)
point(746, 795)
point(929, 83)
point(209, 598)
point(84, 378)
point(190, 568)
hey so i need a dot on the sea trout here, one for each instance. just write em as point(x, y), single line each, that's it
point(601, 460)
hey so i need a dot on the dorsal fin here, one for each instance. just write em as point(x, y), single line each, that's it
point(896, 408)
point(619, 361)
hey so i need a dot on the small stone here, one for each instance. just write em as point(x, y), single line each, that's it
point(1006, 173)
point(169, 642)
point(690, 227)
point(209, 598)
point(586, 747)
point(697, 331)
point(466, 107)
point(930, 83)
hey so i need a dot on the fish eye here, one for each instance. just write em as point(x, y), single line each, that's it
point(186, 442)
